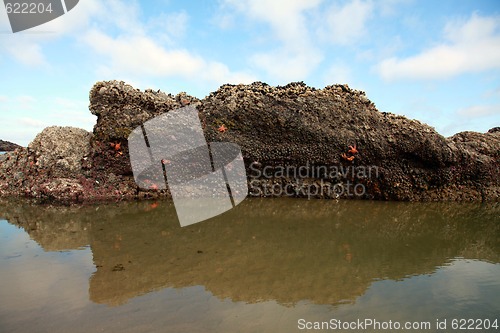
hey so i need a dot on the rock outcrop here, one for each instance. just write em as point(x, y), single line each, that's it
point(50, 167)
point(61, 150)
point(295, 140)
point(8, 146)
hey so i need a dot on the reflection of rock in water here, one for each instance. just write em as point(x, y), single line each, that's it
point(284, 250)
point(55, 228)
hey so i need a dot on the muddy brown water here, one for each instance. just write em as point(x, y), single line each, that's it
point(269, 265)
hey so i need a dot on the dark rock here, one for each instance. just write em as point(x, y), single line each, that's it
point(8, 146)
point(295, 126)
point(119, 109)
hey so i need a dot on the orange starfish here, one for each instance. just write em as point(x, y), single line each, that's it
point(222, 129)
point(353, 150)
point(350, 158)
point(116, 145)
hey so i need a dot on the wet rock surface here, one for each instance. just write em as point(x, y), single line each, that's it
point(335, 135)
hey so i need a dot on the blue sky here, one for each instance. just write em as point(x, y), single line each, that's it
point(435, 61)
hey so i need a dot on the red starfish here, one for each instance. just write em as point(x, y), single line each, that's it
point(222, 129)
point(352, 150)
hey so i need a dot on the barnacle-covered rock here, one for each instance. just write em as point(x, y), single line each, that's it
point(293, 127)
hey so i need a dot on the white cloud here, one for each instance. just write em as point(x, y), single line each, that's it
point(124, 15)
point(219, 73)
point(73, 21)
point(223, 20)
point(169, 27)
point(475, 28)
point(492, 93)
point(25, 51)
point(128, 46)
point(480, 111)
point(338, 73)
point(70, 103)
point(346, 24)
point(26, 99)
point(285, 65)
point(70, 112)
point(141, 55)
point(473, 46)
point(3, 99)
point(295, 56)
point(25, 102)
point(389, 7)
point(139, 49)
point(286, 17)
point(26, 46)
point(32, 122)
point(479, 118)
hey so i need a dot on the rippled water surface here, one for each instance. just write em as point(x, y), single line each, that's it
point(261, 267)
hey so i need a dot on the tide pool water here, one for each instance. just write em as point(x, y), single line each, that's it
point(269, 265)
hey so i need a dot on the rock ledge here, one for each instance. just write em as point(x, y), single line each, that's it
point(294, 126)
